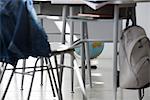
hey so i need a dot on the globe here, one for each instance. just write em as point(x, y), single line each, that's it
point(95, 49)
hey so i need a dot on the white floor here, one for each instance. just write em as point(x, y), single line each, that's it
point(101, 90)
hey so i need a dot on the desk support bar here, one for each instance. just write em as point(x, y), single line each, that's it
point(71, 10)
point(115, 39)
point(64, 16)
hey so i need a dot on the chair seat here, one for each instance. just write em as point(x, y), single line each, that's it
point(59, 46)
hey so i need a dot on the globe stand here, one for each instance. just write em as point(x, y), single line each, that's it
point(92, 67)
point(95, 49)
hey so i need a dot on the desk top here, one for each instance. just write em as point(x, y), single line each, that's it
point(91, 4)
point(63, 1)
point(81, 1)
point(127, 1)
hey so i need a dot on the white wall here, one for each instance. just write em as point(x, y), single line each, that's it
point(143, 16)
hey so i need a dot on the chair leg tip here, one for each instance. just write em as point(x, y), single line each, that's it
point(72, 91)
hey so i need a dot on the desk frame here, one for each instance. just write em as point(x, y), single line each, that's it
point(115, 40)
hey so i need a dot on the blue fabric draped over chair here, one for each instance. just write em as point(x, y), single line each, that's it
point(21, 35)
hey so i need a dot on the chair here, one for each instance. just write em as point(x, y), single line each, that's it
point(62, 50)
point(46, 58)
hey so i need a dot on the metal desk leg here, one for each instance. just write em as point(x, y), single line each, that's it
point(115, 40)
point(64, 15)
point(82, 51)
point(87, 52)
point(82, 48)
point(83, 56)
point(71, 42)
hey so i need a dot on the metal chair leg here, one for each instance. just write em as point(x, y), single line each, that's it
point(79, 77)
point(50, 65)
point(3, 97)
point(59, 83)
point(50, 78)
point(141, 94)
point(42, 63)
point(32, 79)
point(23, 71)
point(51, 82)
point(2, 74)
point(72, 80)
point(61, 69)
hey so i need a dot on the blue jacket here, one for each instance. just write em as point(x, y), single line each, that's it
point(21, 35)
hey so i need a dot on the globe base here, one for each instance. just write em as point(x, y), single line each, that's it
point(92, 67)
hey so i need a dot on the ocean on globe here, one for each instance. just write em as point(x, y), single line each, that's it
point(95, 49)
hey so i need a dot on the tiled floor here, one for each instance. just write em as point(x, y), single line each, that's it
point(102, 86)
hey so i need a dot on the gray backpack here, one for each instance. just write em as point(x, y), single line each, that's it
point(134, 59)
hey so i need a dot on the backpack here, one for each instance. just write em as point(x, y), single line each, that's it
point(134, 59)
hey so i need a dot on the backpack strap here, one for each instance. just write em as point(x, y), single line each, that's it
point(131, 15)
point(141, 93)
